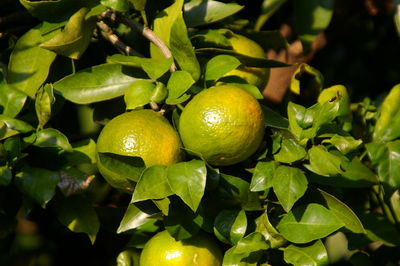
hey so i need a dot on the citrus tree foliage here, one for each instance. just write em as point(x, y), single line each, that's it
point(328, 168)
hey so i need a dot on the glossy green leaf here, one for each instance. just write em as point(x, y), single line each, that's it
point(11, 100)
point(50, 137)
point(289, 185)
point(388, 124)
point(73, 40)
point(43, 103)
point(162, 205)
point(139, 93)
point(77, 213)
point(11, 126)
point(179, 82)
point(386, 157)
point(170, 27)
point(268, 8)
point(133, 218)
point(344, 144)
point(271, 235)
point(230, 226)
point(29, 64)
point(273, 119)
point(290, 150)
point(153, 184)
point(172, 101)
point(118, 5)
point(306, 80)
point(84, 152)
point(356, 174)
point(312, 255)
point(154, 67)
point(188, 181)
point(201, 12)
point(263, 175)
point(340, 209)
point(323, 162)
point(311, 18)
point(219, 65)
point(210, 37)
point(182, 222)
point(307, 223)
point(37, 183)
point(138, 4)
point(97, 83)
point(5, 175)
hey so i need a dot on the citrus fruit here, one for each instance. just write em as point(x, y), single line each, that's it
point(243, 45)
point(141, 133)
point(224, 124)
point(163, 249)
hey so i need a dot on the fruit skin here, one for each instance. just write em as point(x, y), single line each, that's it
point(142, 133)
point(243, 45)
point(163, 249)
point(225, 124)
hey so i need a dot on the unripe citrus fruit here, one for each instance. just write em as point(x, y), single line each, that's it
point(163, 249)
point(225, 124)
point(243, 45)
point(142, 133)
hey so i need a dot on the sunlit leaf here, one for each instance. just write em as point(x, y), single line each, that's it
point(314, 254)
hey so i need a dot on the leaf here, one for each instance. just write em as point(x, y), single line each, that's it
point(273, 119)
point(118, 5)
point(253, 90)
point(37, 183)
point(96, 84)
point(387, 126)
point(179, 82)
point(323, 162)
point(11, 100)
point(154, 67)
point(11, 126)
point(138, 4)
point(153, 184)
point(340, 209)
point(139, 93)
point(314, 254)
point(84, 152)
point(77, 213)
point(133, 218)
point(201, 12)
point(50, 137)
point(378, 228)
point(263, 176)
point(230, 226)
point(188, 181)
point(271, 235)
point(307, 223)
point(5, 175)
point(311, 18)
point(289, 185)
point(356, 174)
point(73, 40)
point(290, 150)
point(170, 27)
point(219, 65)
point(386, 157)
point(43, 103)
point(29, 64)
point(73, 181)
point(268, 8)
point(344, 144)
point(182, 222)
point(306, 80)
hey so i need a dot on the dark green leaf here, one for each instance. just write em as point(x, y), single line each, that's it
point(219, 65)
point(289, 185)
point(153, 184)
point(179, 82)
point(50, 137)
point(323, 162)
point(268, 8)
point(263, 176)
point(133, 218)
point(210, 38)
point(38, 183)
point(273, 119)
point(270, 39)
point(97, 83)
point(77, 213)
point(230, 226)
point(84, 152)
point(138, 4)
point(73, 181)
point(314, 254)
point(388, 124)
point(307, 80)
point(188, 181)
point(29, 64)
point(11, 126)
point(311, 18)
point(5, 175)
point(201, 12)
point(11, 100)
point(378, 228)
point(307, 223)
point(118, 5)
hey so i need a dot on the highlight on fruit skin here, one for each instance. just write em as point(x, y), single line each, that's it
point(163, 249)
point(245, 46)
point(224, 124)
point(140, 133)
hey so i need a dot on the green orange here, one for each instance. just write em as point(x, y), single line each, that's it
point(243, 45)
point(224, 124)
point(163, 249)
point(141, 133)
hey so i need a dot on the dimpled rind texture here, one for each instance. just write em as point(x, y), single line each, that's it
point(225, 124)
point(142, 133)
point(163, 250)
